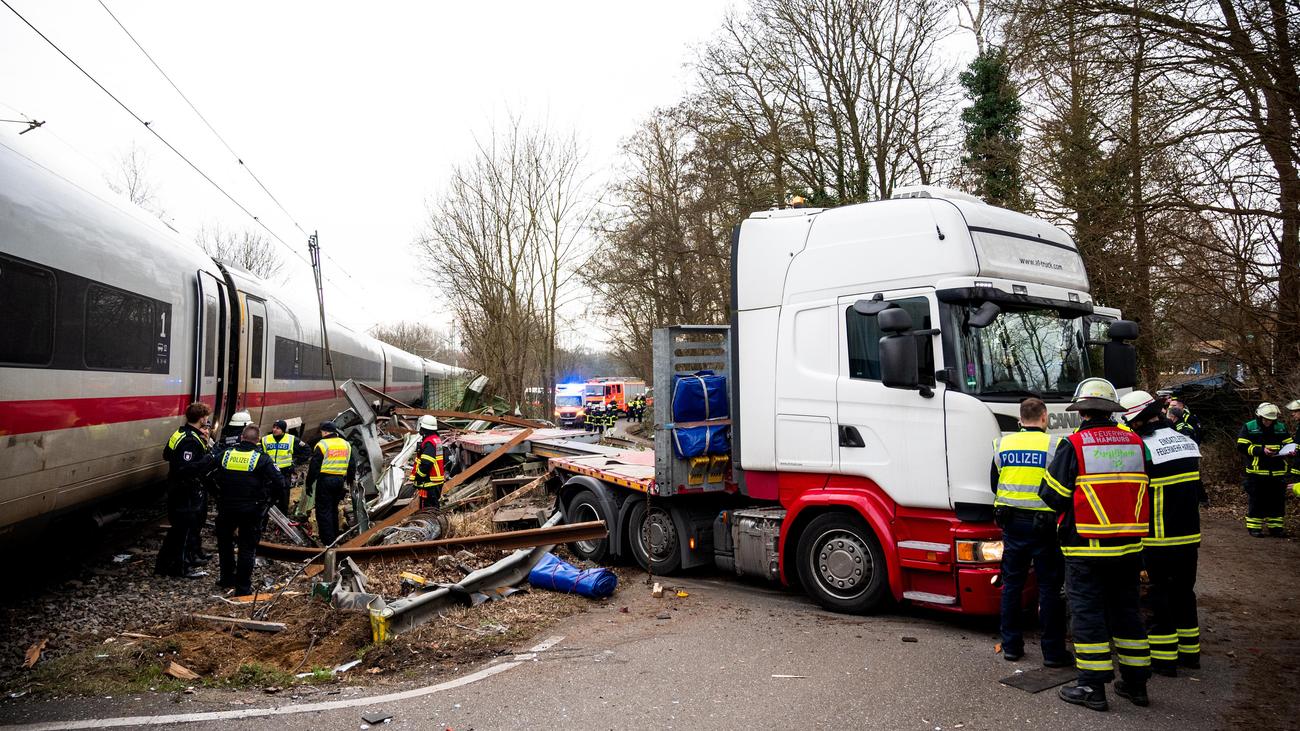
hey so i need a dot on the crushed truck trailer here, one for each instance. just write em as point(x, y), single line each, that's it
point(845, 435)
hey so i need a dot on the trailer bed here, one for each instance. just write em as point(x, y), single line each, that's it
point(632, 468)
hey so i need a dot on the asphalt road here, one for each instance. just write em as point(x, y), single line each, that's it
point(732, 655)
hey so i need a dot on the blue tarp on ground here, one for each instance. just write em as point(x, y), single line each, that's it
point(557, 574)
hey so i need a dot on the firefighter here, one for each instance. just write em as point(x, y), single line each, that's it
point(1261, 439)
point(247, 481)
point(611, 414)
point(589, 418)
point(189, 460)
point(1028, 535)
point(1173, 466)
point(328, 473)
point(1096, 483)
point(285, 450)
point(639, 409)
point(233, 431)
point(428, 470)
point(1184, 422)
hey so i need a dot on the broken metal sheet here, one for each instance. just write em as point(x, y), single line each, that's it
point(410, 612)
point(565, 533)
point(287, 527)
point(364, 431)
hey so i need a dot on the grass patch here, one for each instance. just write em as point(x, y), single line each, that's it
point(257, 675)
point(102, 670)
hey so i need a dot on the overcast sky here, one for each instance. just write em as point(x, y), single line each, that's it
point(351, 113)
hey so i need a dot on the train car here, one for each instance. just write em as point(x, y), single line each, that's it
point(110, 324)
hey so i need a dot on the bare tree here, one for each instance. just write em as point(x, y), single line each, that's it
point(246, 249)
point(130, 178)
point(417, 338)
point(504, 237)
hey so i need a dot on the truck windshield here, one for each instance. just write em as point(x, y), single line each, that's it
point(567, 400)
point(596, 390)
point(1024, 352)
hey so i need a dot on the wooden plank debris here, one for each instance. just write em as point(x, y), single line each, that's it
point(252, 624)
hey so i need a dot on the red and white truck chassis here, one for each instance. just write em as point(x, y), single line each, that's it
point(876, 351)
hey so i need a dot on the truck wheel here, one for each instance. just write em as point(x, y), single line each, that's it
point(583, 508)
point(654, 540)
point(841, 565)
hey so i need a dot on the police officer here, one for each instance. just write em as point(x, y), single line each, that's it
point(247, 481)
point(1096, 483)
point(230, 435)
point(328, 473)
point(1261, 439)
point(188, 462)
point(1173, 466)
point(428, 470)
point(285, 450)
point(1028, 535)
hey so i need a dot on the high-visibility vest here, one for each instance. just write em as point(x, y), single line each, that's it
point(336, 452)
point(176, 438)
point(1110, 492)
point(280, 452)
point(1022, 461)
point(238, 460)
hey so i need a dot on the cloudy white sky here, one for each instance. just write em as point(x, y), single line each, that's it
point(351, 113)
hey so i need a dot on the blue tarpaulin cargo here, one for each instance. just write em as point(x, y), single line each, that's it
point(700, 396)
point(698, 441)
point(557, 574)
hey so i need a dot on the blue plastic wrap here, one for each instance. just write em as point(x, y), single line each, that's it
point(699, 397)
point(557, 574)
point(698, 441)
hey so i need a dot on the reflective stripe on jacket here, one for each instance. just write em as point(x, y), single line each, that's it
point(1098, 486)
point(1022, 462)
point(1174, 468)
point(1252, 440)
point(336, 452)
point(281, 451)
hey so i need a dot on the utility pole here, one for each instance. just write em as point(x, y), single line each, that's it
point(313, 247)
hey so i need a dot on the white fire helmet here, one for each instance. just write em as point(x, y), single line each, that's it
point(1095, 394)
point(1268, 411)
point(428, 423)
point(240, 418)
point(1135, 403)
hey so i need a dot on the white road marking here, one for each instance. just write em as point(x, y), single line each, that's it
point(464, 680)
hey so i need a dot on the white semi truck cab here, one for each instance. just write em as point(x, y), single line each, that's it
point(876, 353)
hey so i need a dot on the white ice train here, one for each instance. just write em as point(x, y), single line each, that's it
point(110, 326)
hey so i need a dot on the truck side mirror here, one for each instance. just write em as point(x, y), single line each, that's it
point(1119, 357)
point(898, 362)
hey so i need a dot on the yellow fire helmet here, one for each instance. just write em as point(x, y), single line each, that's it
point(1095, 394)
point(1268, 411)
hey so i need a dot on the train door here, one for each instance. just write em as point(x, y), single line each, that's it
point(254, 394)
point(210, 346)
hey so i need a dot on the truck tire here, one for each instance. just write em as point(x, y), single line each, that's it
point(663, 554)
point(584, 507)
point(841, 565)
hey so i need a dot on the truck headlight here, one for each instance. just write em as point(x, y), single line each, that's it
point(979, 551)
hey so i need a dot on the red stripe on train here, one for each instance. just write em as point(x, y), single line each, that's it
point(24, 417)
point(40, 415)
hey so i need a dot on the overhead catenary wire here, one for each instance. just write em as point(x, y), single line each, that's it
point(205, 121)
point(152, 131)
point(238, 158)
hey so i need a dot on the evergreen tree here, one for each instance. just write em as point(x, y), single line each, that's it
point(992, 124)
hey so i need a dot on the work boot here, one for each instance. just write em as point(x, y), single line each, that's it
point(1012, 654)
point(1277, 532)
point(194, 574)
point(1256, 533)
point(1136, 694)
point(1167, 669)
point(1064, 661)
point(1085, 695)
point(1190, 661)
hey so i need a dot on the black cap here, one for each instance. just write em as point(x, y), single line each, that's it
point(329, 427)
point(280, 423)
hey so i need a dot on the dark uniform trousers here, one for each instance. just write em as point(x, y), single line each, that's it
point(1103, 596)
point(199, 522)
point(238, 523)
point(178, 554)
point(1030, 538)
point(330, 490)
point(282, 497)
point(1174, 632)
point(1265, 502)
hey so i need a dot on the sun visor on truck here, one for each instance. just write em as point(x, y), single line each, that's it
point(975, 295)
point(1029, 257)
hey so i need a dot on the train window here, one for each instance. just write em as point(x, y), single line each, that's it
point(255, 347)
point(121, 330)
point(210, 337)
point(27, 296)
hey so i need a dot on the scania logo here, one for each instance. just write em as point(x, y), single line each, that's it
point(1063, 420)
